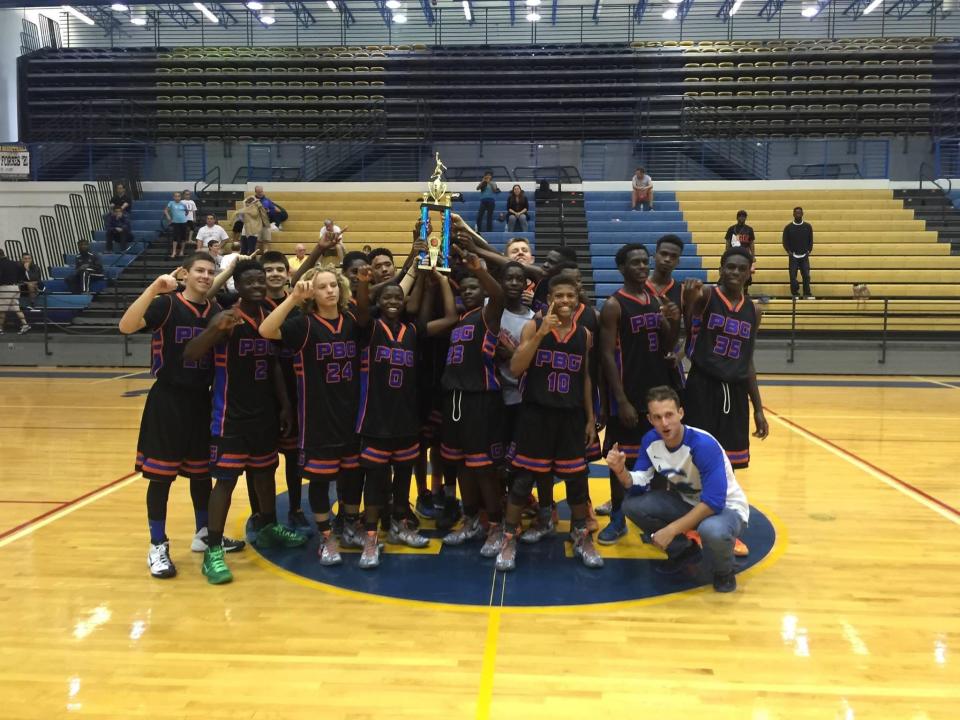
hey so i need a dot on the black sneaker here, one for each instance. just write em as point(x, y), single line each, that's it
point(673, 565)
point(450, 515)
point(425, 507)
point(411, 517)
point(725, 582)
point(297, 520)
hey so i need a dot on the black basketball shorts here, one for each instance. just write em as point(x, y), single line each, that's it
point(723, 410)
point(472, 428)
point(551, 440)
point(174, 433)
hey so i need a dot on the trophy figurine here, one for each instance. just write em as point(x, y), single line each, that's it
point(437, 200)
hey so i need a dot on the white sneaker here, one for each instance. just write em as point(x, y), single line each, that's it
point(274, 228)
point(24, 329)
point(199, 543)
point(158, 559)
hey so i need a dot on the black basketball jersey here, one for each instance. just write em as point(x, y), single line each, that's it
point(673, 292)
point(388, 382)
point(540, 294)
point(585, 315)
point(326, 361)
point(470, 362)
point(284, 353)
point(722, 341)
point(243, 391)
point(175, 321)
point(556, 375)
point(639, 353)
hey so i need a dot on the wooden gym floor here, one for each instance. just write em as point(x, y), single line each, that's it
point(854, 614)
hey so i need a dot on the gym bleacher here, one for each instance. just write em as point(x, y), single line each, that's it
point(376, 219)
point(861, 86)
point(860, 236)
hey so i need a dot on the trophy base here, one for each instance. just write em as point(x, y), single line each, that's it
point(428, 268)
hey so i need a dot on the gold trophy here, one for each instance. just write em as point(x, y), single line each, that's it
point(437, 200)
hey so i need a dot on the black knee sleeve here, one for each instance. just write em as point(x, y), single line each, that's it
point(577, 492)
point(523, 483)
point(319, 494)
point(158, 491)
point(350, 486)
point(376, 489)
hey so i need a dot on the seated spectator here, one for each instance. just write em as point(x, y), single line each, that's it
point(517, 209)
point(210, 231)
point(10, 293)
point(297, 259)
point(118, 230)
point(176, 214)
point(86, 268)
point(642, 190)
point(29, 280)
point(256, 227)
point(331, 232)
point(276, 214)
point(487, 188)
point(366, 249)
point(121, 199)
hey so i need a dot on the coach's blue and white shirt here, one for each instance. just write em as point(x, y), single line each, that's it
point(698, 469)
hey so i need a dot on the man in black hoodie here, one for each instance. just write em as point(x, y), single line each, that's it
point(798, 243)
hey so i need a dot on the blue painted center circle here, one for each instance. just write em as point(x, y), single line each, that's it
point(546, 574)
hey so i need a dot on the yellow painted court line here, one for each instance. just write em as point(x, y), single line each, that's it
point(62, 513)
point(857, 463)
point(35, 406)
point(485, 696)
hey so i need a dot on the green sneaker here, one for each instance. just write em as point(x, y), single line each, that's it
point(277, 535)
point(214, 566)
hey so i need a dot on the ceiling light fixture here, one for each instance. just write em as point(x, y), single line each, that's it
point(391, 4)
point(254, 5)
point(206, 12)
point(735, 8)
point(119, 7)
point(467, 13)
point(140, 21)
point(78, 15)
point(670, 13)
point(533, 17)
point(871, 7)
point(267, 19)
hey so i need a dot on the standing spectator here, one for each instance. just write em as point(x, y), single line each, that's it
point(798, 244)
point(86, 268)
point(488, 188)
point(741, 234)
point(191, 213)
point(10, 293)
point(332, 233)
point(118, 230)
point(517, 209)
point(121, 199)
point(176, 214)
point(301, 254)
point(256, 226)
point(209, 232)
point(642, 190)
point(213, 249)
point(29, 280)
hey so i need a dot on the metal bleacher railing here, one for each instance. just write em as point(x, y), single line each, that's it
point(504, 23)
